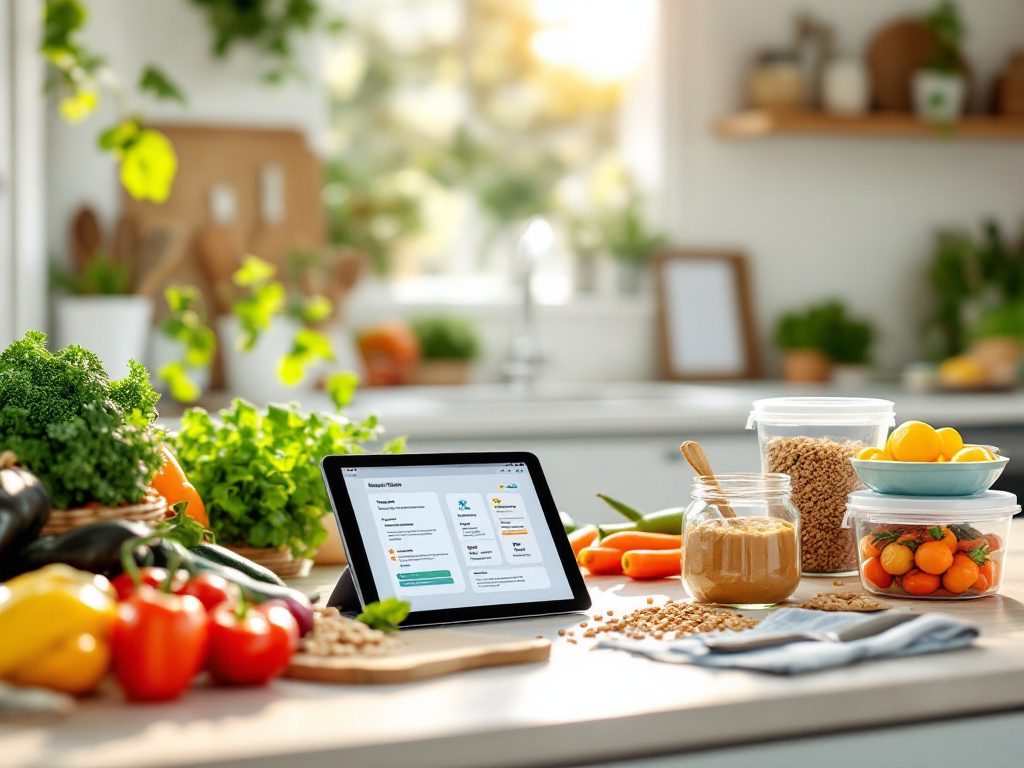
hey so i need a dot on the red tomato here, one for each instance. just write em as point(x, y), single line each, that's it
point(211, 590)
point(159, 643)
point(150, 577)
point(249, 645)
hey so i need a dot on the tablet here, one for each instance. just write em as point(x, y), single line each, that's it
point(460, 536)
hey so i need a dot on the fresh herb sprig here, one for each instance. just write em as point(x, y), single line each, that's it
point(385, 615)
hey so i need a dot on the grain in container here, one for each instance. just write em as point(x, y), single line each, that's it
point(812, 439)
point(937, 547)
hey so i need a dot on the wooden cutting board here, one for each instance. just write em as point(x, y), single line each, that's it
point(423, 653)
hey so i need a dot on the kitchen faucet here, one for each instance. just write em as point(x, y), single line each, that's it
point(525, 360)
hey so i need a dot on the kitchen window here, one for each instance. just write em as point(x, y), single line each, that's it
point(452, 122)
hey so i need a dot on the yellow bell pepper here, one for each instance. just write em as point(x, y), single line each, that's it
point(55, 628)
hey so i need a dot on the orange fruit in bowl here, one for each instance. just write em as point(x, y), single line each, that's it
point(873, 454)
point(933, 557)
point(951, 442)
point(972, 453)
point(915, 441)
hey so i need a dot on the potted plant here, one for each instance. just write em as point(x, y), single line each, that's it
point(940, 88)
point(448, 345)
point(802, 338)
point(848, 347)
point(998, 337)
point(630, 242)
point(183, 348)
point(88, 438)
point(258, 472)
point(98, 311)
point(270, 338)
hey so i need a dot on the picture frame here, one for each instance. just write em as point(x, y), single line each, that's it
point(705, 316)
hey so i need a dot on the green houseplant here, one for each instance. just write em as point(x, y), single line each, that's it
point(939, 89)
point(270, 329)
point(257, 470)
point(822, 335)
point(630, 241)
point(88, 438)
point(448, 345)
point(998, 339)
point(186, 331)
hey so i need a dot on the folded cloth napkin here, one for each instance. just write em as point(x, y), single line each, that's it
point(928, 633)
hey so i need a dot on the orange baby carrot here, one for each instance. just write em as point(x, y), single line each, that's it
point(582, 537)
point(624, 541)
point(601, 561)
point(652, 563)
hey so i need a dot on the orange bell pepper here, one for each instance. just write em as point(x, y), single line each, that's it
point(171, 483)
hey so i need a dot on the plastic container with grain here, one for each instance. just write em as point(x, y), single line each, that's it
point(812, 439)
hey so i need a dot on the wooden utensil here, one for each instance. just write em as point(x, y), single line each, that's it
point(695, 455)
point(86, 237)
point(423, 653)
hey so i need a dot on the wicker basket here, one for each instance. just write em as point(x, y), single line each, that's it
point(280, 561)
point(152, 509)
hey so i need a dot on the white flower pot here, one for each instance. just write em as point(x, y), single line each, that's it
point(845, 89)
point(938, 96)
point(116, 328)
point(253, 374)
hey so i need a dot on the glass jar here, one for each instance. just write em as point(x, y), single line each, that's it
point(741, 540)
point(812, 439)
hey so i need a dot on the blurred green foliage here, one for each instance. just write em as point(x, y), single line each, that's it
point(828, 328)
point(446, 337)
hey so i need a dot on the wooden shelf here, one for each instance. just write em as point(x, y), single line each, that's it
point(756, 124)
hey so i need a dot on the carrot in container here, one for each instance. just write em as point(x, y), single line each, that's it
point(652, 563)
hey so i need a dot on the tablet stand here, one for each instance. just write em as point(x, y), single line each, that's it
point(344, 597)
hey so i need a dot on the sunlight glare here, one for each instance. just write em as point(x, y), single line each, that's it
point(602, 40)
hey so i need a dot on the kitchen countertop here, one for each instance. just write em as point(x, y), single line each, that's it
point(583, 705)
point(486, 411)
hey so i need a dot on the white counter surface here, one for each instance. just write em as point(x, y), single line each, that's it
point(582, 706)
point(561, 411)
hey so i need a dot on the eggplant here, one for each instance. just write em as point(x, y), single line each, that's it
point(95, 548)
point(24, 506)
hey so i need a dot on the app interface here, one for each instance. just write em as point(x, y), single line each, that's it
point(452, 536)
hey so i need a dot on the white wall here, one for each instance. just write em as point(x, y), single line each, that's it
point(821, 217)
point(173, 35)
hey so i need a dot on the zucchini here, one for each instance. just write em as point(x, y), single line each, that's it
point(226, 557)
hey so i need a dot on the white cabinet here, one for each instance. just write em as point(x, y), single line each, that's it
point(646, 472)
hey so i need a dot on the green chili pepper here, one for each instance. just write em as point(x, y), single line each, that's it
point(662, 521)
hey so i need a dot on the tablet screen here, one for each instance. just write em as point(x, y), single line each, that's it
point(456, 535)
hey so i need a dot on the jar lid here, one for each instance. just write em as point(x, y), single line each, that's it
point(988, 505)
point(840, 411)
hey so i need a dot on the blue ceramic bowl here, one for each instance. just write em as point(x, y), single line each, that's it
point(922, 478)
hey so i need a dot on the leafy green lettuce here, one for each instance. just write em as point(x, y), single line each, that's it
point(258, 470)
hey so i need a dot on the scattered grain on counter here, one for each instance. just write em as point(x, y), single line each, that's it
point(337, 635)
point(843, 601)
point(673, 620)
point(822, 477)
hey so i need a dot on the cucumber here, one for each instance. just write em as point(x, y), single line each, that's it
point(225, 556)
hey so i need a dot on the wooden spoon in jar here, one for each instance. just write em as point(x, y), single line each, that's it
point(695, 455)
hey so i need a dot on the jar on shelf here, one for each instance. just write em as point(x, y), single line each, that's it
point(741, 540)
point(812, 439)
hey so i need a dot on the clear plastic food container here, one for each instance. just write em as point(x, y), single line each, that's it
point(812, 439)
point(935, 548)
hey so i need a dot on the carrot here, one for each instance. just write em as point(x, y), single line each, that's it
point(624, 541)
point(582, 537)
point(652, 563)
point(601, 561)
